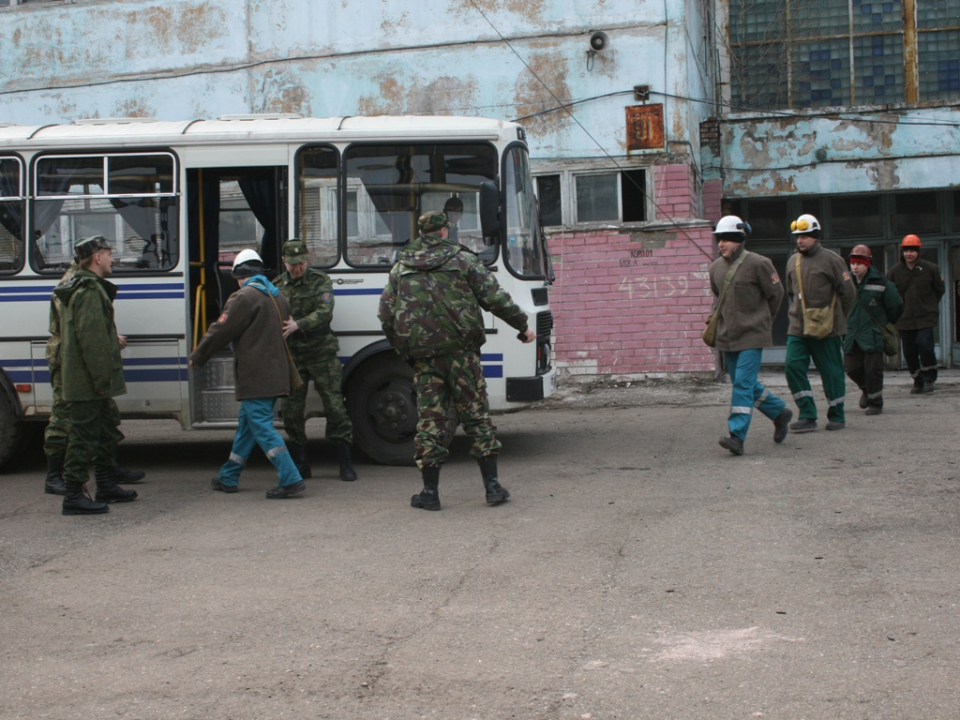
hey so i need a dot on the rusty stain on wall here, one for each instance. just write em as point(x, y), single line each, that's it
point(531, 96)
point(530, 9)
point(189, 28)
point(134, 107)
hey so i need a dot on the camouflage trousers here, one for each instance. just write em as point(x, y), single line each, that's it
point(90, 440)
point(57, 432)
point(443, 379)
point(327, 375)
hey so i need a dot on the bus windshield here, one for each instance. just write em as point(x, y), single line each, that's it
point(526, 249)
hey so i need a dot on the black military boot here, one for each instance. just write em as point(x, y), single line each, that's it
point(347, 473)
point(496, 493)
point(109, 492)
point(429, 497)
point(77, 502)
point(54, 484)
point(298, 453)
point(124, 475)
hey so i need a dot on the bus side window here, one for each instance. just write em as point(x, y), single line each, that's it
point(129, 199)
point(11, 215)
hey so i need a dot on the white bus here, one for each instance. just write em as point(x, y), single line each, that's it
point(178, 200)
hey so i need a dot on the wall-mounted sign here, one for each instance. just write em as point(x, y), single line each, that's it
point(645, 127)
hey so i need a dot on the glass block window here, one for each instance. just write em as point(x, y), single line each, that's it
point(879, 74)
point(821, 74)
point(825, 53)
point(939, 61)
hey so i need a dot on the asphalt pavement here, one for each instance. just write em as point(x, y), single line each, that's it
point(638, 571)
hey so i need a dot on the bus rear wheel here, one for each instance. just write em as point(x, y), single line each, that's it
point(382, 404)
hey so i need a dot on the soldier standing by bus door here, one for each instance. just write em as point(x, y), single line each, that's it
point(314, 348)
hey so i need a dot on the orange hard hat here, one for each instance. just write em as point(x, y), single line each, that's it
point(911, 241)
point(861, 251)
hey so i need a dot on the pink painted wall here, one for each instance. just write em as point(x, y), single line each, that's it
point(630, 304)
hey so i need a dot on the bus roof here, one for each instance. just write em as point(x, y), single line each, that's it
point(241, 128)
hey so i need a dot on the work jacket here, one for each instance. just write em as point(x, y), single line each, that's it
point(921, 290)
point(877, 299)
point(750, 303)
point(825, 274)
point(252, 323)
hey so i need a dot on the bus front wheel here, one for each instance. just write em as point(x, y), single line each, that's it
point(383, 408)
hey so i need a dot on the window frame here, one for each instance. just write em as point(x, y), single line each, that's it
point(21, 197)
point(568, 194)
point(36, 259)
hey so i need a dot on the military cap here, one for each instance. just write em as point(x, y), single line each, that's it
point(85, 247)
point(295, 252)
point(432, 221)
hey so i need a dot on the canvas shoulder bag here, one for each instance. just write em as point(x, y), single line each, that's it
point(817, 322)
point(710, 332)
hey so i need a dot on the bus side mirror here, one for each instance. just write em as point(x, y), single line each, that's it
point(489, 212)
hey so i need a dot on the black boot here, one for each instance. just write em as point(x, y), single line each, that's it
point(54, 484)
point(347, 472)
point(496, 493)
point(124, 475)
point(109, 492)
point(429, 497)
point(77, 502)
point(298, 453)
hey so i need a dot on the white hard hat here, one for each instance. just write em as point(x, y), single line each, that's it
point(245, 256)
point(732, 224)
point(806, 224)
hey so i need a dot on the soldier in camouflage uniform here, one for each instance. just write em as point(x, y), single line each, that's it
point(430, 311)
point(58, 428)
point(91, 371)
point(314, 348)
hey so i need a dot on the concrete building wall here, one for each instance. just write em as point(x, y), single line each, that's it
point(514, 59)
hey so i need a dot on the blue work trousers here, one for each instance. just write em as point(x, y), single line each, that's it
point(748, 393)
point(256, 427)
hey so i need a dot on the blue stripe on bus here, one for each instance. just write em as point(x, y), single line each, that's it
point(358, 291)
point(136, 291)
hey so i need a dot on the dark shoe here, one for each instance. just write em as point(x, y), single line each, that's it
point(835, 425)
point(109, 492)
point(863, 400)
point(347, 473)
point(221, 487)
point(125, 476)
point(781, 425)
point(874, 410)
point(284, 491)
point(496, 493)
point(804, 425)
point(298, 453)
point(917, 390)
point(733, 444)
point(927, 388)
point(78, 502)
point(53, 484)
point(429, 497)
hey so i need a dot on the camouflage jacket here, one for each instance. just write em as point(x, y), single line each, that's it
point(53, 344)
point(431, 304)
point(90, 361)
point(311, 299)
